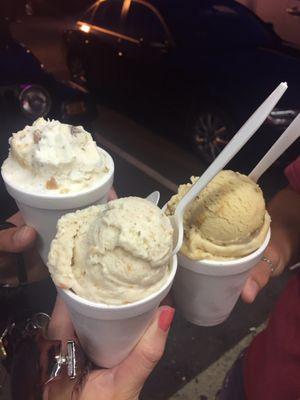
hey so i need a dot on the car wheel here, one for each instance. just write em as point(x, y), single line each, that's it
point(209, 130)
point(77, 70)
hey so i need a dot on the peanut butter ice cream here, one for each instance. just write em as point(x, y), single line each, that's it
point(227, 220)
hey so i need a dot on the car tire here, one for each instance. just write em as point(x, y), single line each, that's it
point(77, 70)
point(209, 128)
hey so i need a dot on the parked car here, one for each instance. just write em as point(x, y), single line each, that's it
point(198, 67)
point(283, 16)
point(27, 92)
point(55, 7)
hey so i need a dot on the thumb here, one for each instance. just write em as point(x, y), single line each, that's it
point(16, 240)
point(112, 195)
point(259, 277)
point(131, 373)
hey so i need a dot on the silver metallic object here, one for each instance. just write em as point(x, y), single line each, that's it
point(270, 263)
point(69, 360)
point(52, 360)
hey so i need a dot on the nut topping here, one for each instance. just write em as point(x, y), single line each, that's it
point(51, 184)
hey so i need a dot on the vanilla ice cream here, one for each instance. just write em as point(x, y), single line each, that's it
point(51, 157)
point(115, 253)
point(227, 220)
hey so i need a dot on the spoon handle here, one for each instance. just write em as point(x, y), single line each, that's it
point(288, 137)
point(232, 148)
point(154, 197)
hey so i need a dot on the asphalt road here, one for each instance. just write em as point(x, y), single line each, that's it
point(146, 162)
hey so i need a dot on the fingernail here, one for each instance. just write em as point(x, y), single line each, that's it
point(21, 235)
point(166, 318)
point(253, 288)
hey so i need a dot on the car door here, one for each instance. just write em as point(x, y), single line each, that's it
point(284, 15)
point(144, 53)
point(102, 45)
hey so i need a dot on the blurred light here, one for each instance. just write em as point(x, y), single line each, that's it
point(125, 7)
point(84, 28)
point(282, 118)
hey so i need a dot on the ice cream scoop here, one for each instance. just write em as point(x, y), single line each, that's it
point(51, 157)
point(232, 148)
point(116, 253)
point(227, 220)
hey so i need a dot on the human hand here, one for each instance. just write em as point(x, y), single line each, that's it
point(112, 195)
point(19, 239)
point(262, 272)
point(284, 244)
point(123, 382)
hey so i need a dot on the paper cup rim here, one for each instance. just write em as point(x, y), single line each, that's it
point(128, 306)
point(67, 196)
point(217, 265)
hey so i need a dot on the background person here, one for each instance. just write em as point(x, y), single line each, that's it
point(269, 369)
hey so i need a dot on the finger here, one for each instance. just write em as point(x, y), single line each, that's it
point(61, 327)
point(16, 219)
point(16, 240)
point(112, 195)
point(132, 373)
point(259, 277)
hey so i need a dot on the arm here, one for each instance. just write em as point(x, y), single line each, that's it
point(284, 244)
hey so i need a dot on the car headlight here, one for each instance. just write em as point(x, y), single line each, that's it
point(281, 118)
point(35, 101)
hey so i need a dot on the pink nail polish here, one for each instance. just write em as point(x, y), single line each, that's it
point(166, 318)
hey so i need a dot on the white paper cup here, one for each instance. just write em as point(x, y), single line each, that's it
point(42, 211)
point(109, 333)
point(206, 291)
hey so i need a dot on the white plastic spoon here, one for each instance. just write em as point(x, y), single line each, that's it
point(288, 137)
point(232, 148)
point(154, 197)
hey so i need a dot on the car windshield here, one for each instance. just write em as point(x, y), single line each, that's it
point(216, 25)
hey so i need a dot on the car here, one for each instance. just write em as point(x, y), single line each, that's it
point(28, 91)
point(55, 8)
point(283, 16)
point(196, 69)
